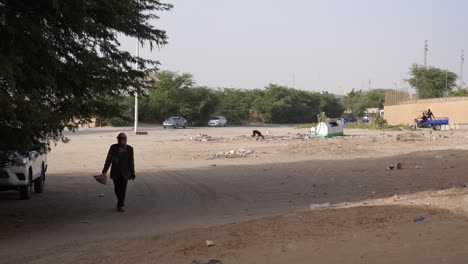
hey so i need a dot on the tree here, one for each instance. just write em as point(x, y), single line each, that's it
point(61, 62)
point(234, 104)
point(355, 101)
point(431, 82)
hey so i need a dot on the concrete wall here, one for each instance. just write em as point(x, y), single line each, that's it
point(455, 108)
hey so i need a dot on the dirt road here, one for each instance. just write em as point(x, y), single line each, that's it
point(255, 207)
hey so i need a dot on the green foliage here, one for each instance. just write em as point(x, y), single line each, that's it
point(279, 104)
point(61, 63)
point(378, 122)
point(234, 104)
point(460, 92)
point(177, 94)
point(431, 82)
point(371, 126)
point(357, 101)
point(321, 117)
point(331, 105)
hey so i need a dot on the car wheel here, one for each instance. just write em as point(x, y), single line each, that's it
point(39, 183)
point(437, 127)
point(184, 126)
point(25, 191)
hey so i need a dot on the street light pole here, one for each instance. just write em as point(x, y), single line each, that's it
point(136, 94)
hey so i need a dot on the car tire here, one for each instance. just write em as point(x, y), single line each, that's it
point(25, 191)
point(174, 126)
point(437, 127)
point(39, 183)
point(164, 127)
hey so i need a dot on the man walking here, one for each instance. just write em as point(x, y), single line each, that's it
point(120, 156)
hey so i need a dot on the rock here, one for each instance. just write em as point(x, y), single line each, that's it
point(213, 261)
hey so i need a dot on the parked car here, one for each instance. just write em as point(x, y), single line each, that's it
point(366, 119)
point(349, 118)
point(23, 171)
point(217, 121)
point(175, 122)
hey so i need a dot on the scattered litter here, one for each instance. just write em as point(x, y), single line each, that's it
point(438, 156)
point(290, 136)
point(213, 165)
point(418, 167)
point(418, 218)
point(203, 137)
point(398, 166)
point(320, 206)
point(210, 243)
point(409, 137)
point(101, 195)
point(240, 153)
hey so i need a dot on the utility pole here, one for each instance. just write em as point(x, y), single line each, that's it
point(462, 61)
point(425, 53)
point(446, 83)
point(136, 93)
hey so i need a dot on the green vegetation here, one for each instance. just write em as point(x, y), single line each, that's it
point(357, 101)
point(61, 64)
point(177, 94)
point(431, 82)
point(371, 126)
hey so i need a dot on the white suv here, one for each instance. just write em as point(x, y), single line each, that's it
point(22, 172)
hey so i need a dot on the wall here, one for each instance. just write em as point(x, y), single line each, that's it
point(455, 108)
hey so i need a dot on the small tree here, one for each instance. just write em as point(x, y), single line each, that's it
point(431, 82)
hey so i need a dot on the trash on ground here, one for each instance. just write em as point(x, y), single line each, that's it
point(101, 195)
point(203, 137)
point(418, 218)
point(399, 166)
point(239, 153)
point(418, 167)
point(210, 243)
point(320, 206)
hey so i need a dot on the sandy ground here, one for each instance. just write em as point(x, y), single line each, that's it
point(256, 208)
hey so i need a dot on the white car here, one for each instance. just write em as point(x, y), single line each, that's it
point(217, 121)
point(22, 172)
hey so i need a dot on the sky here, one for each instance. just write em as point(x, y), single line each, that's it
point(315, 45)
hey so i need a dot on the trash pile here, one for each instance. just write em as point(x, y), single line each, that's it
point(290, 136)
point(409, 137)
point(239, 153)
point(203, 137)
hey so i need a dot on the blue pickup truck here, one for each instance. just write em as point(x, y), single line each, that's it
point(434, 123)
